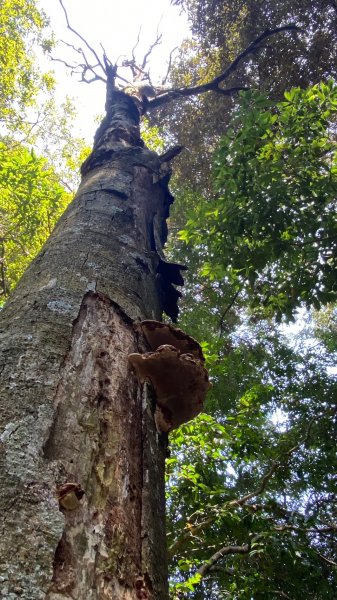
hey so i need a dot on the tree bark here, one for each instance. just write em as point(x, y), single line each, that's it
point(71, 408)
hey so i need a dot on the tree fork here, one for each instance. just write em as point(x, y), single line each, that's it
point(72, 411)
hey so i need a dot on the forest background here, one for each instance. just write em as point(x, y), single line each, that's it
point(251, 489)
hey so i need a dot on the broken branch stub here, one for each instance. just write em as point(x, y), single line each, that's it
point(176, 371)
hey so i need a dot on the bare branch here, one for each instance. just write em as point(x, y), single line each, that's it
point(190, 531)
point(81, 52)
point(171, 153)
point(122, 79)
point(137, 73)
point(251, 48)
point(214, 84)
point(279, 511)
point(225, 551)
point(92, 50)
point(95, 77)
point(105, 56)
point(240, 501)
point(82, 69)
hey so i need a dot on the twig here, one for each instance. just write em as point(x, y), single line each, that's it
point(327, 560)
point(169, 65)
point(148, 53)
point(136, 44)
point(280, 593)
point(69, 66)
point(78, 50)
point(105, 56)
point(226, 311)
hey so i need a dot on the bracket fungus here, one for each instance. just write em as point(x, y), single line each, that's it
point(175, 368)
point(157, 334)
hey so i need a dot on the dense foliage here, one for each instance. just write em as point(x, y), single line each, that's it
point(272, 230)
point(21, 28)
point(31, 200)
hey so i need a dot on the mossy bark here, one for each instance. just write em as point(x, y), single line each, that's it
point(71, 407)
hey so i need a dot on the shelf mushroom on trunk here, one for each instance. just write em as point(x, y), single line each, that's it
point(175, 368)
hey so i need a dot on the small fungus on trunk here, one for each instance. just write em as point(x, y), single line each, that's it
point(70, 495)
point(176, 371)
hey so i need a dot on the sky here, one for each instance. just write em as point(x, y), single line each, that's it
point(115, 24)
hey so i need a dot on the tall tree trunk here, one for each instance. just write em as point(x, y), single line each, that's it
point(72, 410)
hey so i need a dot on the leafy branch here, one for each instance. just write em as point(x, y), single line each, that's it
point(192, 530)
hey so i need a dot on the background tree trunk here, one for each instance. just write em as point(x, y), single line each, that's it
point(71, 407)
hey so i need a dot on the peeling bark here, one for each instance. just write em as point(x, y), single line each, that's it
point(71, 408)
